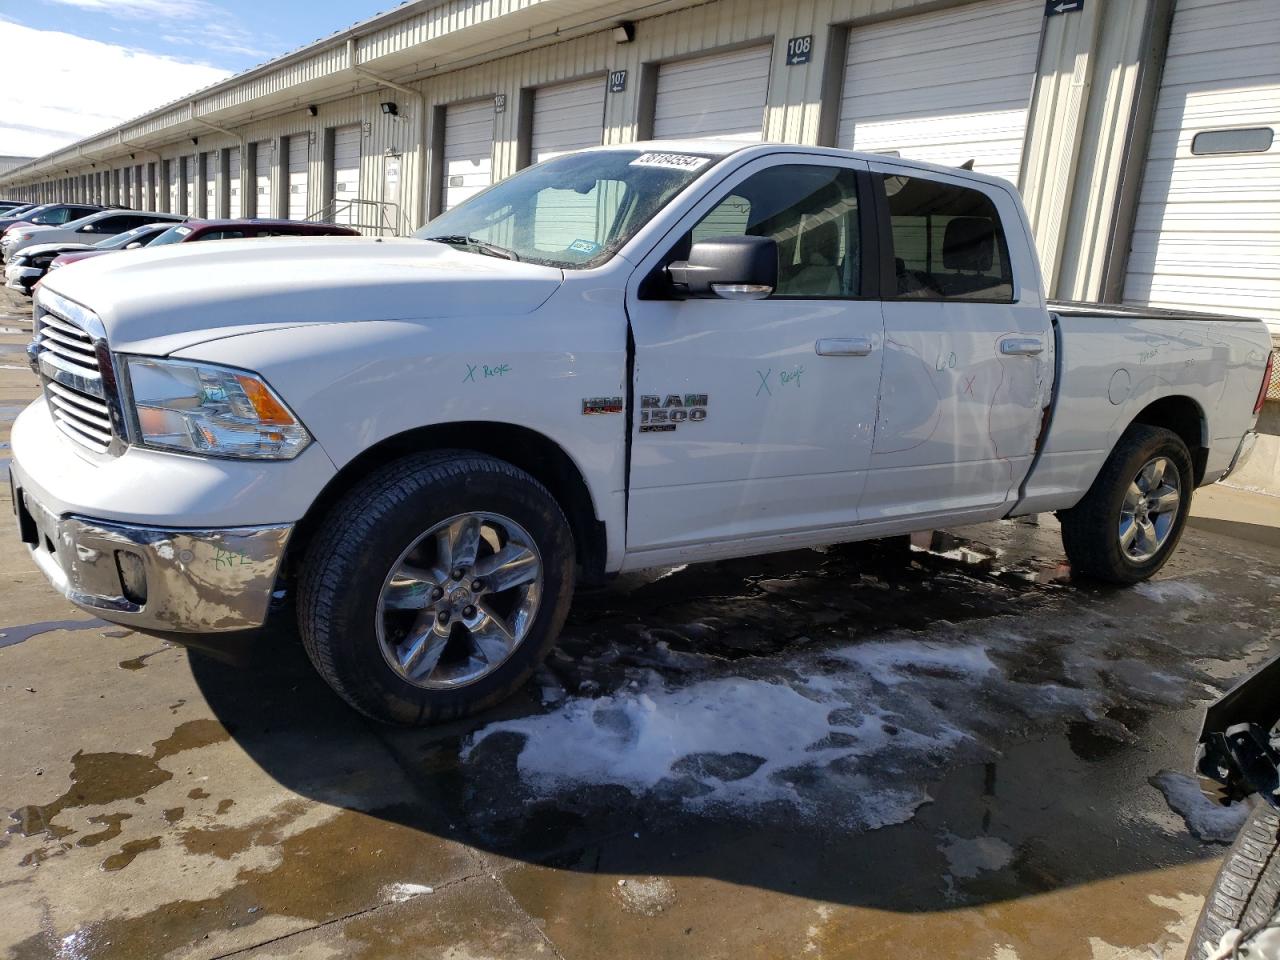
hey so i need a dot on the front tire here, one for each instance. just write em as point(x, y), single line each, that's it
point(436, 587)
point(1131, 519)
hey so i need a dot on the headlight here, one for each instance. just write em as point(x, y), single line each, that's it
point(203, 408)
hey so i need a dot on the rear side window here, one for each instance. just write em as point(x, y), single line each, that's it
point(948, 243)
point(219, 235)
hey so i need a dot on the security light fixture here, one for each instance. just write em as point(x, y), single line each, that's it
point(624, 32)
point(390, 109)
point(312, 110)
point(195, 141)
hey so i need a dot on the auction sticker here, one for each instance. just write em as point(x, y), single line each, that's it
point(671, 161)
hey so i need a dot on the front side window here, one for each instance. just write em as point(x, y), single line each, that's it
point(948, 243)
point(53, 218)
point(811, 212)
point(218, 235)
point(573, 211)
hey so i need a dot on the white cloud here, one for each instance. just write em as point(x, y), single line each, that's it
point(63, 87)
point(192, 22)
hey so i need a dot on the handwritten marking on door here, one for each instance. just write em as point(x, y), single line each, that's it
point(485, 371)
point(764, 382)
point(968, 384)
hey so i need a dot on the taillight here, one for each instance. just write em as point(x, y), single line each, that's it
point(1266, 382)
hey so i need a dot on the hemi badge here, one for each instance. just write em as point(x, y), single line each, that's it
point(593, 405)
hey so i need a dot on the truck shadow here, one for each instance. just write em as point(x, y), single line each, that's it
point(979, 720)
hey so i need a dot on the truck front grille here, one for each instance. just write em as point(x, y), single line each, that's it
point(80, 393)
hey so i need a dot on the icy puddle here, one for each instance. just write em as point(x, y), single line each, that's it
point(852, 733)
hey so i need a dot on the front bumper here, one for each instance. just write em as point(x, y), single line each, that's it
point(21, 278)
point(168, 581)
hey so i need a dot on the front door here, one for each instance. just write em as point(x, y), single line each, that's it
point(755, 418)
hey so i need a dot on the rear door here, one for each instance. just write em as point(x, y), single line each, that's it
point(968, 349)
point(754, 418)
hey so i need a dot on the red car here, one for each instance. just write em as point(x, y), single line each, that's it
point(194, 231)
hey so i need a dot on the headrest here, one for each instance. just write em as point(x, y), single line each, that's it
point(969, 244)
point(822, 239)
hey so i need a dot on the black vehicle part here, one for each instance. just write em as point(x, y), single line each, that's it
point(1238, 752)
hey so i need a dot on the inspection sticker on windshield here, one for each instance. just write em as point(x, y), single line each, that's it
point(584, 246)
point(671, 161)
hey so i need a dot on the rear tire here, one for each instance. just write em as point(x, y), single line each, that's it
point(1246, 893)
point(1119, 532)
point(435, 587)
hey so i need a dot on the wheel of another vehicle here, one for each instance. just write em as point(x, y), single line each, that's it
point(1131, 519)
point(1246, 893)
point(436, 587)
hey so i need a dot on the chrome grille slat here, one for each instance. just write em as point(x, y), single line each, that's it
point(68, 357)
point(61, 341)
point(90, 438)
point(67, 407)
point(67, 415)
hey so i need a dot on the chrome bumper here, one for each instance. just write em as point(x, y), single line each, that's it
point(170, 581)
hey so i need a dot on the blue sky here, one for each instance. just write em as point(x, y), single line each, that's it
point(105, 61)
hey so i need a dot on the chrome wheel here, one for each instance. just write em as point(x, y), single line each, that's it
point(459, 600)
point(1150, 509)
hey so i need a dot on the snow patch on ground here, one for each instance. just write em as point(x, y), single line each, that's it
point(1205, 819)
point(969, 856)
point(1162, 591)
point(400, 892)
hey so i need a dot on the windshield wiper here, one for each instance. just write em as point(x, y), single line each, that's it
point(491, 249)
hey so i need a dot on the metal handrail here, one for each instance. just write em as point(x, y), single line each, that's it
point(377, 216)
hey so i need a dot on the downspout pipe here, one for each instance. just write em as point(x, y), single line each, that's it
point(421, 98)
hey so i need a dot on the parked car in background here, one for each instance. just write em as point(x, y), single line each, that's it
point(15, 212)
point(748, 348)
point(8, 205)
point(95, 226)
point(7, 220)
point(51, 215)
point(26, 267)
point(194, 231)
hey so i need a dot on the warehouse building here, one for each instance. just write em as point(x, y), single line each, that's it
point(1140, 132)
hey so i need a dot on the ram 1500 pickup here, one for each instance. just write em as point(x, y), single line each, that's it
point(620, 358)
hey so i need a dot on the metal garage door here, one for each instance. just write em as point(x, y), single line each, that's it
point(233, 183)
point(262, 180)
point(346, 172)
point(721, 96)
point(566, 117)
point(944, 87)
point(468, 150)
point(1207, 231)
point(299, 153)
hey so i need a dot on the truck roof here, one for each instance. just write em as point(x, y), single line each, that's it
point(723, 148)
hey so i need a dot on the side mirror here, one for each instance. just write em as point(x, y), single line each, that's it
point(731, 268)
point(133, 246)
point(87, 228)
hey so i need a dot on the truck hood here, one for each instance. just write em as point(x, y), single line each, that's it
point(156, 301)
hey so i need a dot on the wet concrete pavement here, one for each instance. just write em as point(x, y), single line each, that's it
point(939, 751)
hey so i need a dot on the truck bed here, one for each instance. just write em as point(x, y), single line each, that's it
point(1117, 311)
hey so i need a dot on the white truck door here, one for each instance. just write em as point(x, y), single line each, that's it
point(754, 417)
point(968, 350)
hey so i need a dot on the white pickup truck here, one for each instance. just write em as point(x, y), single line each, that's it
point(621, 358)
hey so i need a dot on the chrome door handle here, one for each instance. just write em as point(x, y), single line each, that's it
point(1021, 346)
point(843, 347)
